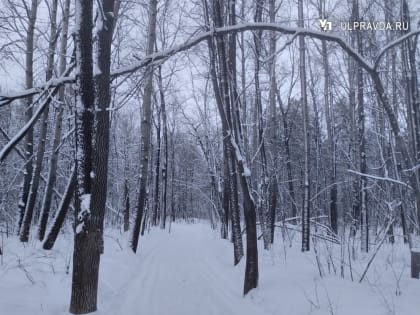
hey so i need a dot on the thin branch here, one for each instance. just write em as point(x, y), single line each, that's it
point(22, 132)
point(392, 180)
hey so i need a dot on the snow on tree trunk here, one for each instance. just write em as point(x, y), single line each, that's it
point(29, 138)
point(33, 191)
point(91, 160)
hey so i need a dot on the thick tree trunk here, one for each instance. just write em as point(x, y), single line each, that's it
point(251, 269)
point(86, 250)
point(415, 264)
point(411, 47)
point(91, 161)
point(102, 116)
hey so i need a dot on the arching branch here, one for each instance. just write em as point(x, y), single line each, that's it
point(161, 56)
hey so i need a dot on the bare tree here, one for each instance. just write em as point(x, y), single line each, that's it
point(145, 127)
point(306, 212)
point(29, 138)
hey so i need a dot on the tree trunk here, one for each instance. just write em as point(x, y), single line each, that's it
point(415, 264)
point(155, 214)
point(86, 250)
point(330, 138)
point(262, 187)
point(33, 191)
point(91, 160)
point(126, 207)
point(272, 185)
point(61, 212)
point(52, 172)
point(145, 127)
point(364, 222)
point(304, 103)
point(29, 138)
point(166, 148)
point(234, 100)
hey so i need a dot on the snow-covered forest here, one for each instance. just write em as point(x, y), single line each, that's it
point(209, 157)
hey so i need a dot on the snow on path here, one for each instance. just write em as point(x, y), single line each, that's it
point(182, 274)
point(190, 272)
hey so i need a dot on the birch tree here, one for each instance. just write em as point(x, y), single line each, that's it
point(146, 117)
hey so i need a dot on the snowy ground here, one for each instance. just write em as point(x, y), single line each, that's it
point(190, 272)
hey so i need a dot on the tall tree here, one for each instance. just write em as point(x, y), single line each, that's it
point(146, 118)
point(29, 82)
point(52, 171)
point(33, 191)
point(86, 251)
point(333, 213)
point(166, 149)
point(272, 128)
point(306, 211)
point(234, 100)
point(364, 223)
point(91, 156)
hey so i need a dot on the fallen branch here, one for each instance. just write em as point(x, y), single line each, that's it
point(377, 250)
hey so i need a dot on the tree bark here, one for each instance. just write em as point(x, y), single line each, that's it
point(234, 100)
point(272, 127)
point(304, 103)
point(166, 148)
point(364, 219)
point(91, 159)
point(156, 208)
point(86, 250)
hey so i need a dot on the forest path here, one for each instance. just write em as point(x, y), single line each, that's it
point(185, 272)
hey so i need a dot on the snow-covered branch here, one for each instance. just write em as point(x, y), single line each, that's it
point(165, 54)
point(392, 180)
point(392, 44)
point(22, 132)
